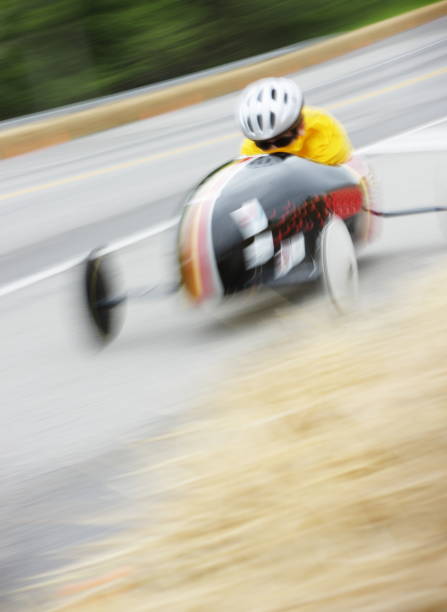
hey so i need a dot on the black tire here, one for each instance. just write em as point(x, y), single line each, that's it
point(101, 306)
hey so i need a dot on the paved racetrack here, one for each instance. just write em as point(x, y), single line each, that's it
point(72, 415)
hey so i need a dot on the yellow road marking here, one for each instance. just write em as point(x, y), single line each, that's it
point(384, 90)
point(121, 166)
point(204, 143)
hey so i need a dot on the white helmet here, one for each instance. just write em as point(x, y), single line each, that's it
point(269, 107)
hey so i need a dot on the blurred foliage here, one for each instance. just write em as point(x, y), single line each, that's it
point(64, 51)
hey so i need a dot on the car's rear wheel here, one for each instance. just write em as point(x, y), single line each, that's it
point(338, 265)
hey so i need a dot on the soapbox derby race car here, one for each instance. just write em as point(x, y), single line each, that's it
point(271, 220)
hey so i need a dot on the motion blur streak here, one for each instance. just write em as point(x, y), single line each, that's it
point(117, 245)
point(204, 143)
point(109, 169)
point(384, 90)
point(319, 483)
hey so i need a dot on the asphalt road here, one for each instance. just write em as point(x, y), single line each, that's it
point(75, 419)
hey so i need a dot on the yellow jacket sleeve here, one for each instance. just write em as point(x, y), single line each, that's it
point(323, 140)
point(249, 148)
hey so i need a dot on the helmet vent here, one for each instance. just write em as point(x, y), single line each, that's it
point(259, 118)
point(272, 120)
point(250, 125)
point(286, 97)
point(273, 94)
point(259, 98)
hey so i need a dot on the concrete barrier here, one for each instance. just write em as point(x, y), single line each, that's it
point(416, 163)
point(48, 132)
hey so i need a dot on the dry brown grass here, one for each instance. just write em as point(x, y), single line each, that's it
point(320, 482)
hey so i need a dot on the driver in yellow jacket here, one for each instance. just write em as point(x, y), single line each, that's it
point(274, 119)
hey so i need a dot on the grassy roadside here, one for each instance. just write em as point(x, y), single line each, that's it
point(318, 482)
point(385, 10)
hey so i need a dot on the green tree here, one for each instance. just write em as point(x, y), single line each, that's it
point(62, 51)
